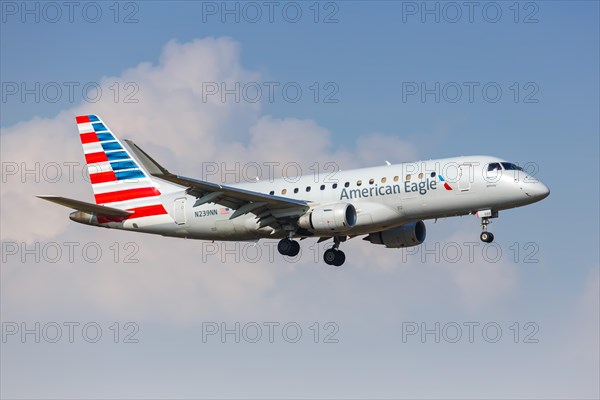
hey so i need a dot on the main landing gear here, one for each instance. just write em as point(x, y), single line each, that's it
point(288, 247)
point(334, 256)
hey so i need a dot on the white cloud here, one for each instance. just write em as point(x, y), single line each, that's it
point(181, 130)
point(584, 328)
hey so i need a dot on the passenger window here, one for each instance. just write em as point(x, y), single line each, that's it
point(346, 184)
point(322, 187)
point(408, 177)
point(371, 181)
point(358, 183)
point(272, 192)
point(296, 190)
point(284, 191)
point(396, 179)
point(420, 175)
point(383, 179)
point(334, 186)
point(433, 174)
point(308, 188)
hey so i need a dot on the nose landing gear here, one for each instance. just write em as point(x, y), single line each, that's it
point(487, 237)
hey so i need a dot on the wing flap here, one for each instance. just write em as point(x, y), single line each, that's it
point(231, 193)
point(246, 201)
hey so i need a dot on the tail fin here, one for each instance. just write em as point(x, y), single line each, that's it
point(117, 179)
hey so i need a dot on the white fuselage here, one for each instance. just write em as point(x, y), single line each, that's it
point(384, 197)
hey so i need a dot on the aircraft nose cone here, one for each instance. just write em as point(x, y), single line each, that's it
point(543, 191)
point(537, 190)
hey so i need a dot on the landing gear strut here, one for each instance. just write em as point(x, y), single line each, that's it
point(487, 237)
point(334, 256)
point(288, 247)
point(485, 215)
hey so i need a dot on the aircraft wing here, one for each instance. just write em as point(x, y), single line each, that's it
point(271, 210)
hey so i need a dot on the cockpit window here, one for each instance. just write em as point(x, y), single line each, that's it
point(511, 167)
point(494, 167)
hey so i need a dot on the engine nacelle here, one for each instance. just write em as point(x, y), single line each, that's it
point(407, 235)
point(336, 217)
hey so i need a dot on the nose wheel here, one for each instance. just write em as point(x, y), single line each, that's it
point(487, 237)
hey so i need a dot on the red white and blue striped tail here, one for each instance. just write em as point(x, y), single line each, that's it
point(117, 179)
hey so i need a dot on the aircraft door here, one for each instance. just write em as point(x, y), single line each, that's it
point(464, 181)
point(179, 211)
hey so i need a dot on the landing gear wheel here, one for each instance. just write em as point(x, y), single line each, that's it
point(329, 256)
point(294, 249)
point(487, 237)
point(334, 256)
point(284, 246)
point(340, 257)
point(288, 247)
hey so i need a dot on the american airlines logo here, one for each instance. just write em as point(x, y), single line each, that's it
point(409, 187)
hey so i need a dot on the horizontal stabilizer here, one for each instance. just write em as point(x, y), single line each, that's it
point(87, 207)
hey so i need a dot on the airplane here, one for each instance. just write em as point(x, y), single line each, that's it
point(387, 204)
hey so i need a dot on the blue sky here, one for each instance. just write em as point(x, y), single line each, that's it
point(371, 55)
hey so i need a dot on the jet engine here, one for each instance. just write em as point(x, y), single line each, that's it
point(407, 235)
point(336, 217)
